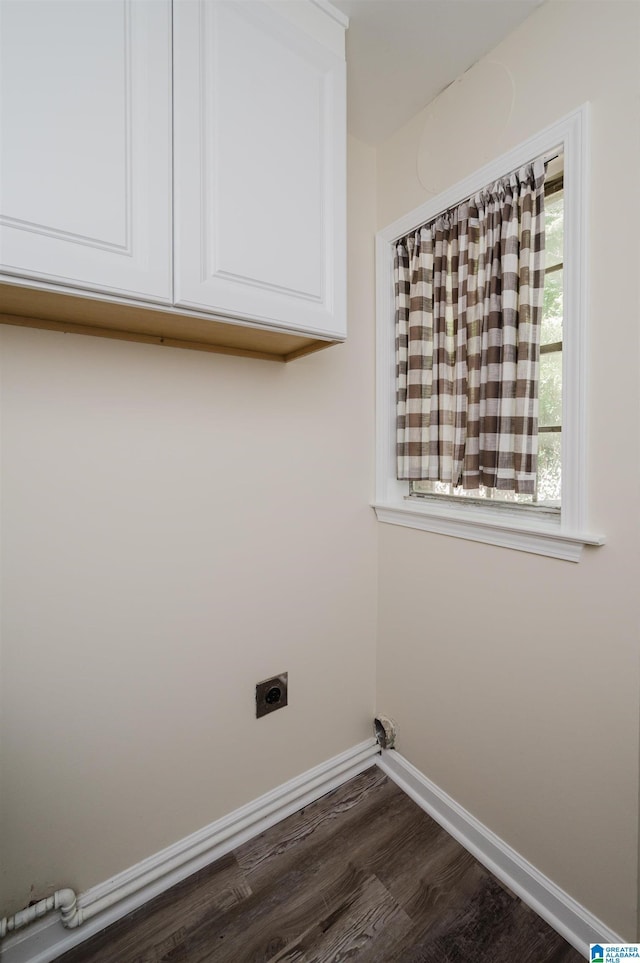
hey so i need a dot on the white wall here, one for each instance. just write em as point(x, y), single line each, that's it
point(178, 526)
point(514, 678)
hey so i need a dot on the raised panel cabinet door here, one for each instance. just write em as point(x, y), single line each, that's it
point(259, 153)
point(85, 155)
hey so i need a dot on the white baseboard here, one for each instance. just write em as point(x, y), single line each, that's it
point(47, 939)
point(567, 917)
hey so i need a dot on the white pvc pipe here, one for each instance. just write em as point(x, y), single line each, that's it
point(63, 899)
point(73, 915)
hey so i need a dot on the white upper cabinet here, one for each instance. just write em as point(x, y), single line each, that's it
point(85, 155)
point(183, 162)
point(259, 153)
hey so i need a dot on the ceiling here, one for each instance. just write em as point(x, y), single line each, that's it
point(402, 53)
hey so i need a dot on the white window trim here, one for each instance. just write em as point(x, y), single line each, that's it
point(562, 536)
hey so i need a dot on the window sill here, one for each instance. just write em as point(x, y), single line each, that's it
point(537, 536)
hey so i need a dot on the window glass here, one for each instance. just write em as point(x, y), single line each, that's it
point(553, 242)
point(549, 467)
point(550, 399)
point(551, 331)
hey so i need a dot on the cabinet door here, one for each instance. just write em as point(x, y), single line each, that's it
point(259, 153)
point(85, 163)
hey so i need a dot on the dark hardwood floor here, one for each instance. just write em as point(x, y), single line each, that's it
point(363, 874)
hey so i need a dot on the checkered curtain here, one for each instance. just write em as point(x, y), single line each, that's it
point(468, 292)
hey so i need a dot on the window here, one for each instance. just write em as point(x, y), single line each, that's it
point(546, 512)
point(549, 476)
point(547, 493)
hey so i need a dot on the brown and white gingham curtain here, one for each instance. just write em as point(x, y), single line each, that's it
point(468, 291)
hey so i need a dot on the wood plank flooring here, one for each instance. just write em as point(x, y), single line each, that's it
point(363, 874)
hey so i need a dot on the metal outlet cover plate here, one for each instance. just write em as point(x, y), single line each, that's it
point(272, 694)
